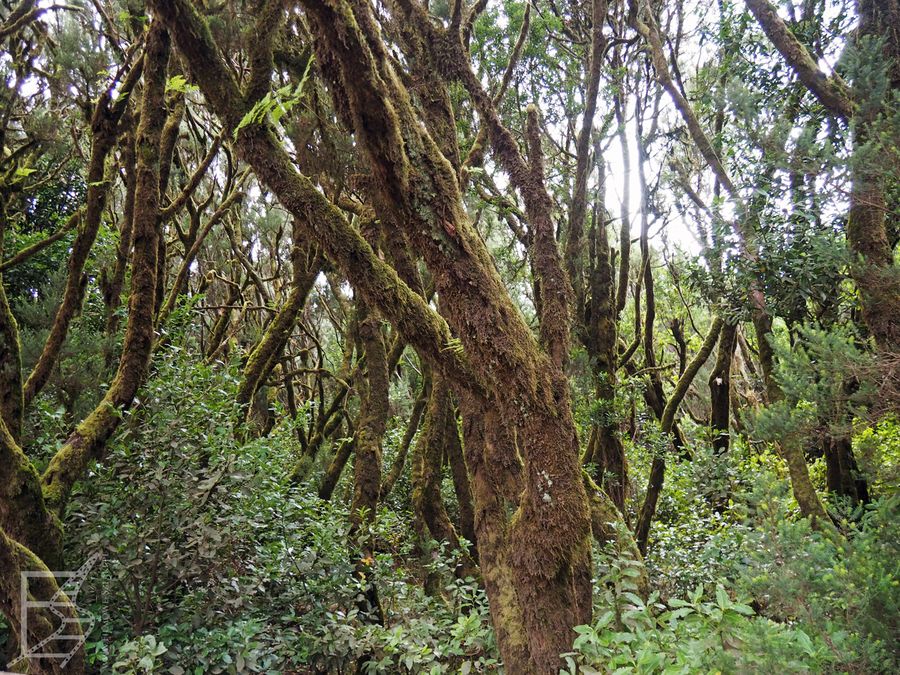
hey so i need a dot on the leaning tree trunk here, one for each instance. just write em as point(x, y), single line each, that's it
point(25, 510)
point(658, 466)
point(15, 559)
point(428, 456)
point(544, 549)
point(104, 131)
point(86, 443)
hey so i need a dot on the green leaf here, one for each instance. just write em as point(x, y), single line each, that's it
point(722, 598)
point(696, 594)
point(604, 620)
point(177, 83)
point(679, 613)
point(274, 106)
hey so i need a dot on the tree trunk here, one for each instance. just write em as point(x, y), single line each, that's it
point(268, 350)
point(842, 475)
point(367, 458)
point(15, 559)
point(104, 131)
point(223, 320)
point(462, 486)
point(720, 389)
point(112, 286)
point(658, 466)
point(335, 468)
point(607, 453)
point(427, 501)
point(874, 157)
point(874, 167)
point(86, 443)
point(400, 460)
point(12, 403)
point(544, 551)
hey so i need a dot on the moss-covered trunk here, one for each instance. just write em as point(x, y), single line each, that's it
point(496, 485)
point(112, 282)
point(12, 403)
point(544, 551)
point(801, 485)
point(24, 515)
point(462, 484)
point(427, 462)
point(42, 624)
point(367, 456)
point(86, 443)
point(605, 450)
point(104, 131)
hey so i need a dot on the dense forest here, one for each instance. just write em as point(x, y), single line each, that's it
point(462, 336)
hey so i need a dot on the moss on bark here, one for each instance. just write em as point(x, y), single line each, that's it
point(89, 438)
point(428, 456)
point(15, 559)
point(500, 363)
point(12, 403)
point(104, 131)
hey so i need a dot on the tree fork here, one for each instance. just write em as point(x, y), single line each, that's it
point(657, 468)
point(86, 443)
point(104, 129)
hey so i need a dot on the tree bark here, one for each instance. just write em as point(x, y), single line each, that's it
point(86, 443)
point(607, 452)
point(500, 363)
point(657, 467)
point(462, 485)
point(428, 456)
point(112, 285)
point(720, 389)
point(15, 559)
point(12, 403)
point(367, 455)
point(104, 131)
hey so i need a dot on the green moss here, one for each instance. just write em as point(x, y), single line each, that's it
point(23, 513)
point(11, 398)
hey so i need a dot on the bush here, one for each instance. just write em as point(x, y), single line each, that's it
point(217, 564)
point(691, 635)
